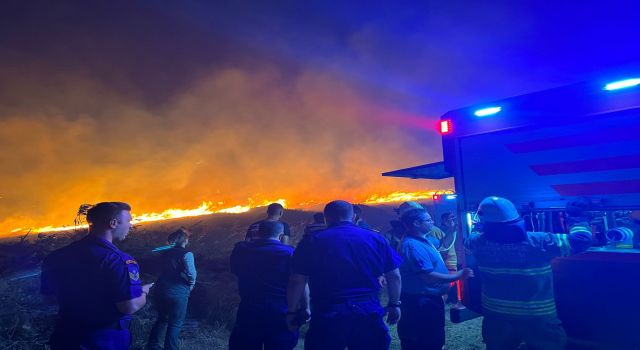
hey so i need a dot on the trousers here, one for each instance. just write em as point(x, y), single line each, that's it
point(172, 309)
point(355, 325)
point(422, 324)
point(262, 324)
point(72, 337)
point(538, 334)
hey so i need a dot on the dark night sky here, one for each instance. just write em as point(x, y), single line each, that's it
point(166, 104)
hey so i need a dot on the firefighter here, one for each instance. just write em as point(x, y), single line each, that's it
point(517, 283)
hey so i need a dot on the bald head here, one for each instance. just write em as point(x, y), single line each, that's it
point(338, 211)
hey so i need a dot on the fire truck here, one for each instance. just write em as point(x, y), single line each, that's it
point(551, 152)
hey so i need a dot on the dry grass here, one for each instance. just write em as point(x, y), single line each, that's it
point(26, 323)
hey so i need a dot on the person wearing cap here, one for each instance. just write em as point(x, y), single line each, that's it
point(425, 280)
point(435, 235)
point(176, 281)
point(95, 284)
point(275, 211)
point(517, 282)
point(342, 265)
point(262, 267)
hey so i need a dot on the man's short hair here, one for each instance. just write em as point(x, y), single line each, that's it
point(412, 215)
point(103, 213)
point(270, 229)
point(178, 237)
point(337, 211)
point(274, 208)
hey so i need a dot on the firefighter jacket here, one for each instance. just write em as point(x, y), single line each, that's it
point(517, 281)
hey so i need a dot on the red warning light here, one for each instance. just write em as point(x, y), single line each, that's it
point(437, 197)
point(445, 126)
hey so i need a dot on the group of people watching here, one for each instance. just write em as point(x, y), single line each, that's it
point(332, 280)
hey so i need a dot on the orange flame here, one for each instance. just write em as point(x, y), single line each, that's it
point(207, 208)
point(400, 197)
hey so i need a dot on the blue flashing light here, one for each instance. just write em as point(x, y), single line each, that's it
point(487, 111)
point(622, 84)
point(450, 196)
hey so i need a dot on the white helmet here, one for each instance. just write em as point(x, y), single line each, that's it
point(497, 209)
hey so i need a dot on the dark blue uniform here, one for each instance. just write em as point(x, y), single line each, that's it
point(263, 268)
point(343, 264)
point(88, 278)
point(252, 231)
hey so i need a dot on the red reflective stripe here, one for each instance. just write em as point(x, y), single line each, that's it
point(568, 141)
point(596, 188)
point(581, 166)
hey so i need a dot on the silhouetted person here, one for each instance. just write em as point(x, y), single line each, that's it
point(263, 267)
point(275, 211)
point(358, 219)
point(317, 225)
point(395, 234)
point(96, 286)
point(343, 264)
point(176, 281)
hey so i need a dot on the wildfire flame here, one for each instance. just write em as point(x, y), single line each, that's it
point(207, 208)
point(400, 197)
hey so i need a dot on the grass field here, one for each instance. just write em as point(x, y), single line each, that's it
point(26, 323)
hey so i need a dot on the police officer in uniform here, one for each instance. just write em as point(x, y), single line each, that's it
point(96, 286)
point(342, 265)
point(263, 267)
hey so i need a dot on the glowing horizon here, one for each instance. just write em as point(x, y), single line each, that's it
point(209, 207)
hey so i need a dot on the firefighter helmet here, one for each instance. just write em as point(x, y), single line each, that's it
point(497, 209)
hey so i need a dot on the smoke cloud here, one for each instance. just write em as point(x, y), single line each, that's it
point(70, 136)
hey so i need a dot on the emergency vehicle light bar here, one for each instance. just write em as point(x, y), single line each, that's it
point(622, 84)
point(487, 111)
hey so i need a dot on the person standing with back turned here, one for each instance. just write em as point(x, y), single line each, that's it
point(177, 280)
point(342, 265)
point(263, 267)
point(275, 211)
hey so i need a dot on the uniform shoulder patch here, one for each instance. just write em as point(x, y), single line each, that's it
point(131, 261)
point(134, 276)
